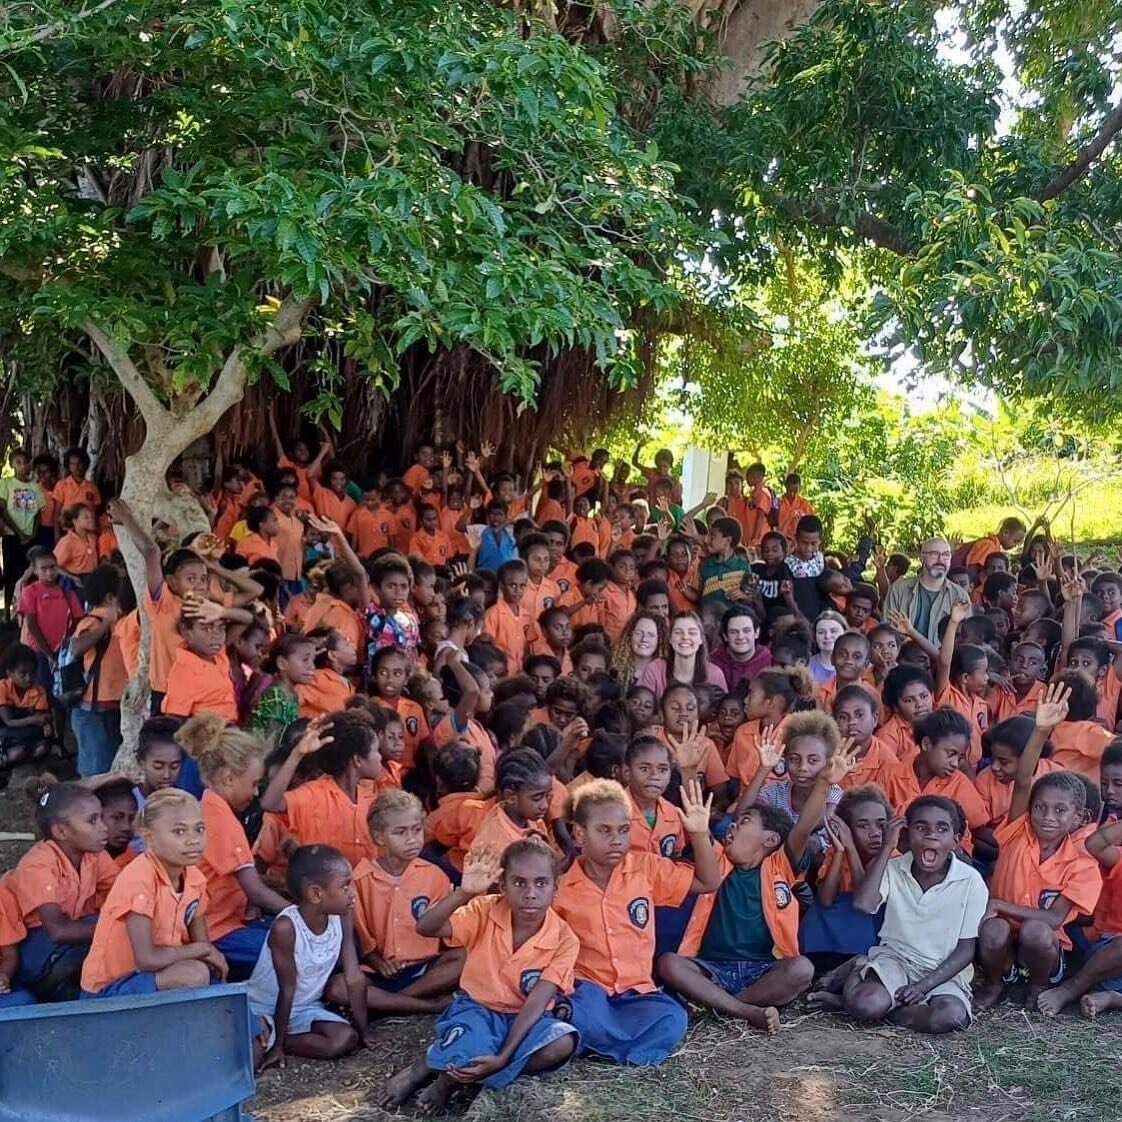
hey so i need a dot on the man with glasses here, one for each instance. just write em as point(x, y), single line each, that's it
point(927, 598)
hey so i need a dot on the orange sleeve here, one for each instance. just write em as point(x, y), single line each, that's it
point(227, 847)
point(468, 922)
point(670, 880)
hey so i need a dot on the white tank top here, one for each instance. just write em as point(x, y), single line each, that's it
point(316, 956)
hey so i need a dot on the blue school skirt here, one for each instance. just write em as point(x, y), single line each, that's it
point(16, 998)
point(467, 1030)
point(641, 1029)
point(839, 929)
point(51, 969)
point(242, 947)
point(131, 985)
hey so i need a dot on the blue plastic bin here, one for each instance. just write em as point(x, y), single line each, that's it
point(183, 1056)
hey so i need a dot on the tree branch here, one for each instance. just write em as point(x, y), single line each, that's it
point(1087, 156)
point(150, 406)
point(868, 226)
point(51, 30)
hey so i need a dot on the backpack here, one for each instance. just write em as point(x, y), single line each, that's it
point(70, 678)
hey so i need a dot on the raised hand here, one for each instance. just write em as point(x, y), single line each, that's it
point(199, 608)
point(841, 834)
point(567, 469)
point(1051, 709)
point(1072, 587)
point(324, 526)
point(695, 808)
point(482, 868)
point(960, 611)
point(688, 749)
point(893, 831)
point(770, 747)
point(313, 740)
point(899, 622)
point(486, 450)
point(842, 762)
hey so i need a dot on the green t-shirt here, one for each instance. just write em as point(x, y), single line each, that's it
point(719, 578)
point(24, 501)
point(924, 602)
point(737, 930)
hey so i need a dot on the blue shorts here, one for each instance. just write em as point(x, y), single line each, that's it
point(405, 977)
point(733, 977)
point(839, 929)
point(131, 985)
point(242, 947)
point(15, 998)
point(1107, 985)
point(631, 1028)
point(467, 1030)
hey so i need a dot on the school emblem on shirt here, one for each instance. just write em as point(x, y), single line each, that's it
point(527, 981)
point(666, 846)
point(411, 725)
point(419, 905)
point(639, 911)
point(1047, 898)
point(782, 894)
point(190, 913)
point(453, 1034)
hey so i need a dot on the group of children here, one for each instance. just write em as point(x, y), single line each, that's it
point(556, 766)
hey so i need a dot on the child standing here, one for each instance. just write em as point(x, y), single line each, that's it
point(961, 681)
point(151, 934)
point(520, 958)
point(608, 897)
point(199, 679)
point(918, 975)
point(1044, 877)
point(48, 611)
point(723, 570)
point(76, 551)
point(506, 622)
point(231, 763)
point(56, 885)
point(389, 676)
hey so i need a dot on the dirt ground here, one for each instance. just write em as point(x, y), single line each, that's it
point(1008, 1067)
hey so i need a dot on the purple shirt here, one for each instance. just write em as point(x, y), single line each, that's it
point(737, 672)
point(654, 677)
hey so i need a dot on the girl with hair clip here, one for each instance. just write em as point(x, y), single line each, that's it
point(152, 934)
point(688, 658)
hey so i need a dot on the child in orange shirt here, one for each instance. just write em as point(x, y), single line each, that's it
point(542, 591)
point(618, 596)
point(855, 711)
point(655, 824)
point(908, 694)
point(1044, 877)
point(405, 972)
point(371, 526)
point(851, 664)
point(608, 897)
point(554, 629)
point(152, 934)
point(1007, 741)
point(430, 542)
point(1079, 741)
point(507, 622)
point(468, 690)
point(389, 676)
point(76, 551)
point(523, 787)
point(119, 808)
point(26, 731)
point(231, 763)
point(519, 960)
point(328, 689)
point(199, 679)
point(772, 697)
point(331, 810)
point(12, 933)
point(585, 603)
point(961, 681)
point(691, 751)
point(57, 887)
point(459, 809)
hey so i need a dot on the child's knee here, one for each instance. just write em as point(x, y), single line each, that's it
point(950, 1015)
point(868, 1002)
point(669, 965)
point(1036, 935)
point(191, 974)
point(995, 934)
point(343, 1040)
point(800, 971)
point(557, 1051)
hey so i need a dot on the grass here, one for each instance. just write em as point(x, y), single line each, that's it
point(1009, 1067)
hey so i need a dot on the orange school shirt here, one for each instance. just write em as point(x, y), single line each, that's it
point(585, 477)
point(1022, 877)
point(269, 847)
point(12, 929)
point(508, 626)
point(127, 633)
point(974, 709)
point(1110, 688)
point(898, 735)
point(711, 771)
point(76, 554)
point(981, 551)
point(414, 722)
point(478, 737)
point(112, 677)
point(681, 585)
point(435, 548)
point(327, 611)
point(664, 836)
point(1003, 704)
point(416, 477)
point(144, 889)
point(404, 526)
point(370, 530)
point(45, 875)
point(327, 692)
point(449, 520)
point(880, 765)
point(163, 616)
point(320, 812)
point(498, 830)
point(744, 756)
point(34, 698)
point(564, 575)
point(618, 607)
point(227, 851)
point(999, 796)
point(289, 544)
point(586, 530)
point(1108, 912)
point(549, 510)
point(537, 598)
point(197, 686)
point(387, 909)
point(303, 483)
point(1079, 746)
point(790, 511)
point(616, 925)
point(336, 508)
point(586, 613)
point(256, 547)
point(69, 492)
point(499, 975)
point(454, 822)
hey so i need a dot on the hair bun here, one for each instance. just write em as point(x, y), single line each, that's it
point(201, 734)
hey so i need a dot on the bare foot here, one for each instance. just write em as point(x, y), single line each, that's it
point(401, 1085)
point(1092, 1004)
point(1050, 1002)
point(823, 1001)
point(1032, 997)
point(988, 994)
point(833, 981)
point(434, 1098)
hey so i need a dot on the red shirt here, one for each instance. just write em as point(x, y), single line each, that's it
point(53, 609)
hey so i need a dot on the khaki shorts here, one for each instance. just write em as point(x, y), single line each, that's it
point(895, 971)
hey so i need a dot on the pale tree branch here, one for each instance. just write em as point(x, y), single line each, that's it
point(52, 30)
point(130, 377)
point(1078, 167)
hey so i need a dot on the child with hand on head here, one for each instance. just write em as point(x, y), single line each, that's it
point(292, 662)
point(56, 886)
point(199, 679)
point(608, 896)
point(306, 942)
point(1044, 877)
point(152, 933)
point(405, 972)
point(459, 808)
point(469, 691)
point(328, 689)
point(961, 681)
point(918, 975)
point(231, 763)
point(519, 960)
point(331, 809)
point(740, 954)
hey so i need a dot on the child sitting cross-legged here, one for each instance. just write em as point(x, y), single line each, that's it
point(918, 975)
point(520, 958)
point(740, 954)
point(306, 942)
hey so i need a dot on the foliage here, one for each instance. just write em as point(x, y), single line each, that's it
point(430, 174)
